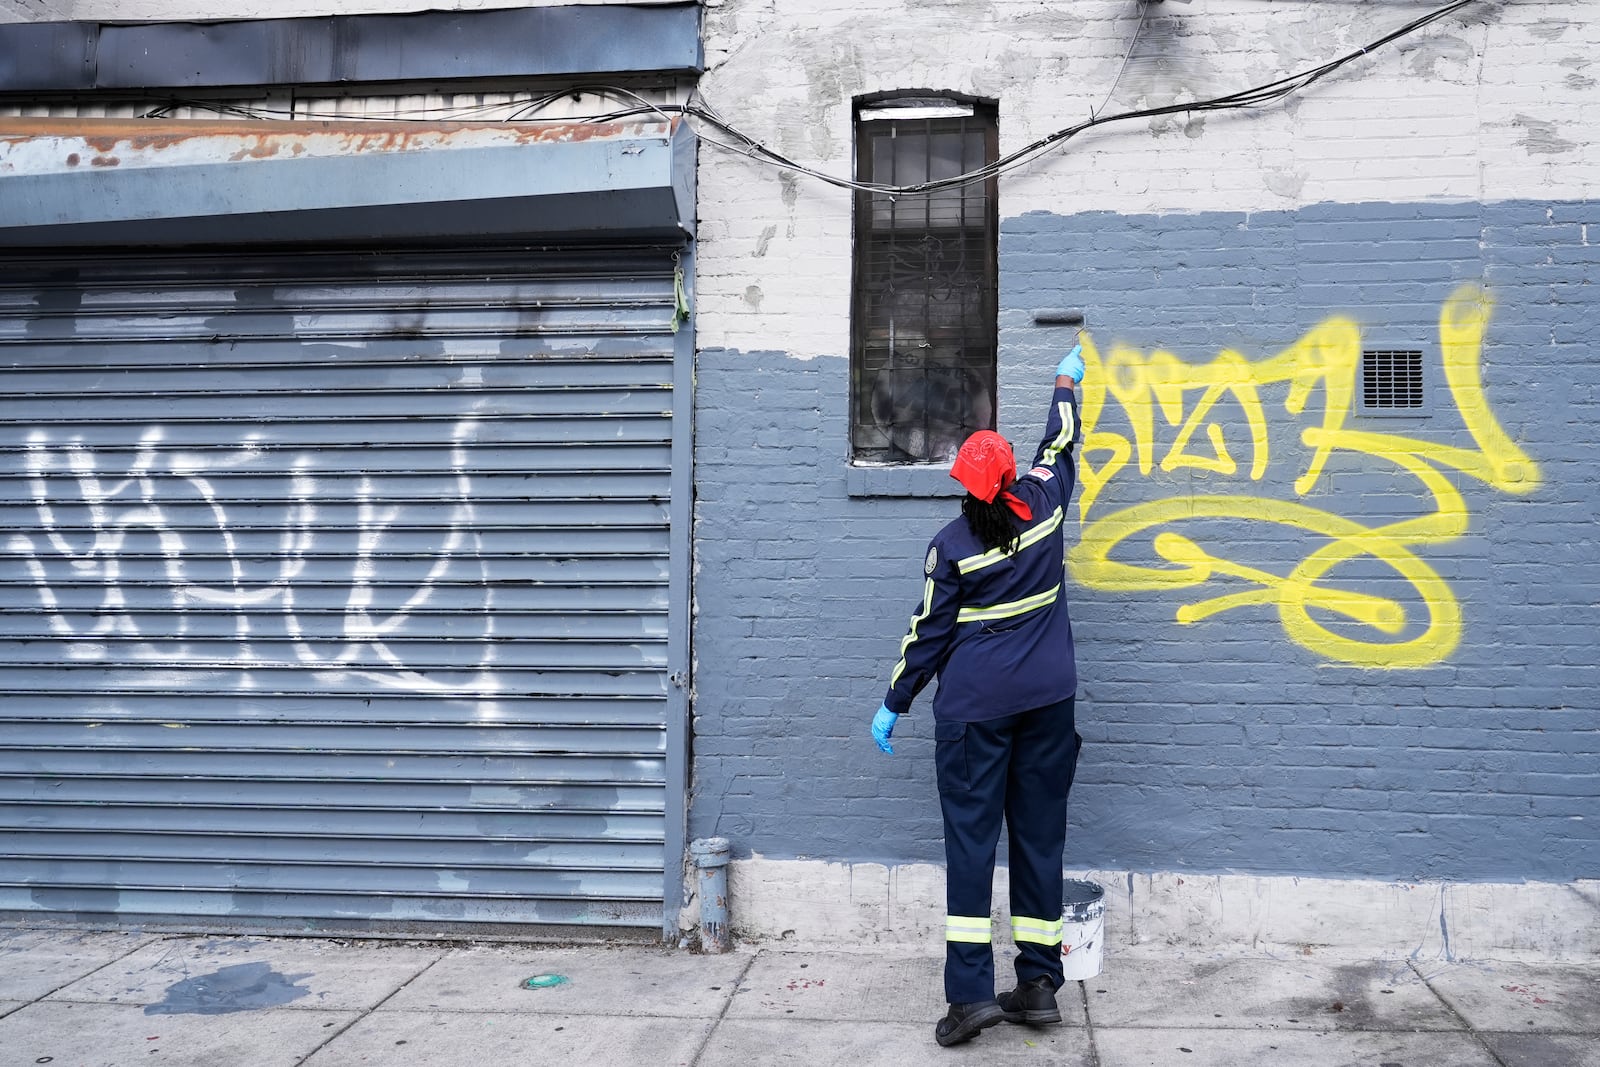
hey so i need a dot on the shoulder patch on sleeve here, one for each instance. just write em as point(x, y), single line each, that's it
point(1044, 474)
point(931, 562)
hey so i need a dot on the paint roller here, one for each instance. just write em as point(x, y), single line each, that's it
point(1059, 317)
point(1048, 317)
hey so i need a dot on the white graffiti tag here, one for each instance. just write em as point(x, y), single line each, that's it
point(169, 559)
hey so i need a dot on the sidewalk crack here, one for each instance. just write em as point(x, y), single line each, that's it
point(150, 940)
point(1088, 1025)
point(1456, 1014)
point(723, 1014)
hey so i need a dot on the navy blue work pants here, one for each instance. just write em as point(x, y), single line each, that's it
point(1019, 767)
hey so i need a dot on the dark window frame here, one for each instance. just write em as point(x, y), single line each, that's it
point(940, 364)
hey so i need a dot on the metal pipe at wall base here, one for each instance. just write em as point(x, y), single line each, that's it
point(710, 856)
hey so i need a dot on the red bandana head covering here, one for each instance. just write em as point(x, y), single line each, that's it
point(985, 466)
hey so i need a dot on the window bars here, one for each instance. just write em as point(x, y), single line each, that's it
point(923, 329)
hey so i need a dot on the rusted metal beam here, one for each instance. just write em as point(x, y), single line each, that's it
point(77, 181)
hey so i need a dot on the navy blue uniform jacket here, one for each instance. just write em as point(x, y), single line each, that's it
point(993, 627)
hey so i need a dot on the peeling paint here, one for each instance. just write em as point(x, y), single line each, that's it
point(1286, 183)
point(40, 145)
point(1440, 57)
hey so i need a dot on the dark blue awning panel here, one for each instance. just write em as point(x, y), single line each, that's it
point(342, 49)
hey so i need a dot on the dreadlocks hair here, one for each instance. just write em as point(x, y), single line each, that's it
point(991, 523)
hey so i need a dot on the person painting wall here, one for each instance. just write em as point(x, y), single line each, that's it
point(993, 627)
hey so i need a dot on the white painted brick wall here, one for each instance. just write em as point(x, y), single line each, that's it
point(1462, 110)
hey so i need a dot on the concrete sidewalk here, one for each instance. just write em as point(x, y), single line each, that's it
point(71, 998)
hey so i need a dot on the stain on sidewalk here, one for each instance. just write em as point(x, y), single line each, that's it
point(241, 987)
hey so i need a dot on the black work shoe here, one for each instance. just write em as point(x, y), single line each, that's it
point(1033, 1002)
point(965, 1020)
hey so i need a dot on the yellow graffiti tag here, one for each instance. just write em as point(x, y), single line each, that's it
point(1325, 362)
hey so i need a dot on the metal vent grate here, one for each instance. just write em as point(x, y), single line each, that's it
point(1391, 378)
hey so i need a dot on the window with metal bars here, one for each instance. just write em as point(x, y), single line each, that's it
point(1391, 379)
point(923, 324)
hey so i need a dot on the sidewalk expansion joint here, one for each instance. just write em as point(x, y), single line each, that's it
point(342, 1030)
point(727, 1003)
point(1088, 1025)
point(1456, 1014)
point(87, 974)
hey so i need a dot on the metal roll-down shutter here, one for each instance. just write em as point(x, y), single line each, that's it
point(339, 586)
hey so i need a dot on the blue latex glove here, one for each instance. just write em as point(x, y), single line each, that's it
point(1072, 364)
point(882, 726)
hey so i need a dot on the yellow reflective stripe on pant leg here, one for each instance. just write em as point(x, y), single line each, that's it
point(1006, 611)
point(967, 929)
point(1038, 931)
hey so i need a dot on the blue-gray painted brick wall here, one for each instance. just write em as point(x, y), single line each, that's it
point(1223, 745)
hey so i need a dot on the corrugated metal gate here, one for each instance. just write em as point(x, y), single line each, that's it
point(341, 585)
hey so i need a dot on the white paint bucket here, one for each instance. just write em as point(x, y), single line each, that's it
point(1083, 924)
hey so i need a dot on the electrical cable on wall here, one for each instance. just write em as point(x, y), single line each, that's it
point(700, 109)
point(1252, 97)
point(1133, 42)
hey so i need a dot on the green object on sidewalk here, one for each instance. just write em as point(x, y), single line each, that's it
point(545, 981)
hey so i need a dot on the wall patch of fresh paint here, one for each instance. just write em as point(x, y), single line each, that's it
point(1212, 746)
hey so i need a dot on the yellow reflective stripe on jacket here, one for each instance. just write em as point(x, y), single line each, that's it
point(1038, 931)
point(967, 929)
point(1016, 607)
point(1064, 438)
point(995, 555)
point(916, 620)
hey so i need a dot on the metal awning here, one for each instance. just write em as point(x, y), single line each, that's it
point(78, 182)
point(607, 40)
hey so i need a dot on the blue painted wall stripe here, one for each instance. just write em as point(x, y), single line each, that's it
point(1223, 744)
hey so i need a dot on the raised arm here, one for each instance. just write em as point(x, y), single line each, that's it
point(1061, 427)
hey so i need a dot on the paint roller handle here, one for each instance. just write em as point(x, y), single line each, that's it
point(883, 727)
point(1071, 364)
